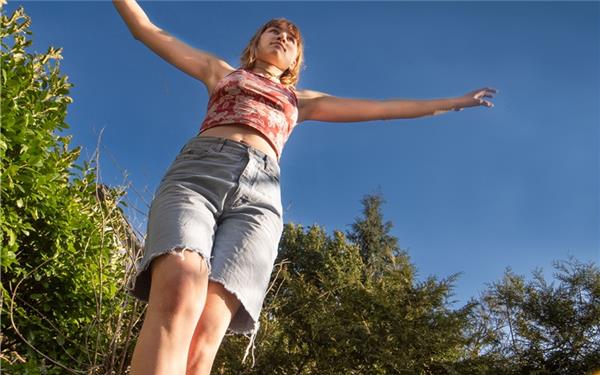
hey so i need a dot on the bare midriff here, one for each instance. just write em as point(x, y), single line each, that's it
point(244, 134)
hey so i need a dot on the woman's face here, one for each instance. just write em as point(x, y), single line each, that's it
point(278, 47)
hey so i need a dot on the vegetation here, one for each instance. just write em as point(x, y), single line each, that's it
point(537, 327)
point(332, 312)
point(62, 234)
point(346, 303)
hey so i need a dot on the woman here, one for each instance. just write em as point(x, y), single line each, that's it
point(215, 223)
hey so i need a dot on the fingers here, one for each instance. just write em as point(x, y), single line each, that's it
point(486, 92)
point(486, 103)
point(477, 97)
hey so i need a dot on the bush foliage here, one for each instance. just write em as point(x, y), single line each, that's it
point(63, 262)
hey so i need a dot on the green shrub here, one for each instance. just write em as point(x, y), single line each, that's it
point(64, 267)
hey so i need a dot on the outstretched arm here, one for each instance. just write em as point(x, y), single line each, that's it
point(132, 14)
point(314, 105)
point(197, 63)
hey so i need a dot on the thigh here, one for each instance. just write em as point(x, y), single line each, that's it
point(186, 206)
point(246, 244)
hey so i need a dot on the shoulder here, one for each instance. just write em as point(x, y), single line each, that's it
point(307, 102)
point(304, 94)
point(219, 70)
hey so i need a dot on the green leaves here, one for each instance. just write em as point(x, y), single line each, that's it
point(62, 272)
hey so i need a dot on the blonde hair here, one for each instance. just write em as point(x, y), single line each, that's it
point(291, 75)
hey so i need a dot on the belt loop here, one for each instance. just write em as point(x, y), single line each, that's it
point(221, 144)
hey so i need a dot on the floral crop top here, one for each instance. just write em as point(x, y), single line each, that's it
point(243, 97)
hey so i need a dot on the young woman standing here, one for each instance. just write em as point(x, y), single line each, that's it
point(216, 220)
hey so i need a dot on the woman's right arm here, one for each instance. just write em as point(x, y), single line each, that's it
point(199, 64)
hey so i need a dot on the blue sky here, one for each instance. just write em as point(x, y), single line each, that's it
point(473, 191)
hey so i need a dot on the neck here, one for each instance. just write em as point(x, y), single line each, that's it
point(267, 69)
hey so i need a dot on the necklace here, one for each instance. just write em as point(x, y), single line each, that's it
point(268, 75)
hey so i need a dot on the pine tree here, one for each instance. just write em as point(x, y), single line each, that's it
point(328, 312)
point(545, 328)
point(378, 249)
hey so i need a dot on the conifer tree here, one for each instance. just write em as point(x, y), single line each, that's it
point(545, 328)
point(379, 250)
point(328, 312)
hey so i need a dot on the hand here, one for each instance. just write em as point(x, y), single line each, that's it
point(475, 98)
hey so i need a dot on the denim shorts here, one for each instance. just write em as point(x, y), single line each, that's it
point(221, 199)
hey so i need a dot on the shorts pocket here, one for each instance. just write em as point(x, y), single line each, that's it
point(189, 152)
point(272, 172)
point(269, 187)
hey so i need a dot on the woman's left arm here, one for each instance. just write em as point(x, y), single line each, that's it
point(314, 105)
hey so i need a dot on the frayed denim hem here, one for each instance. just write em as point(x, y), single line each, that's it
point(139, 286)
point(251, 343)
point(253, 331)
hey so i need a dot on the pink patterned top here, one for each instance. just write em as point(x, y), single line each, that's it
point(243, 97)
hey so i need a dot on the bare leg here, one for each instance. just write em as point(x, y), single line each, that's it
point(220, 308)
point(177, 296)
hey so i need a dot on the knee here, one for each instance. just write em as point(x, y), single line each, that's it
point(178, 286)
